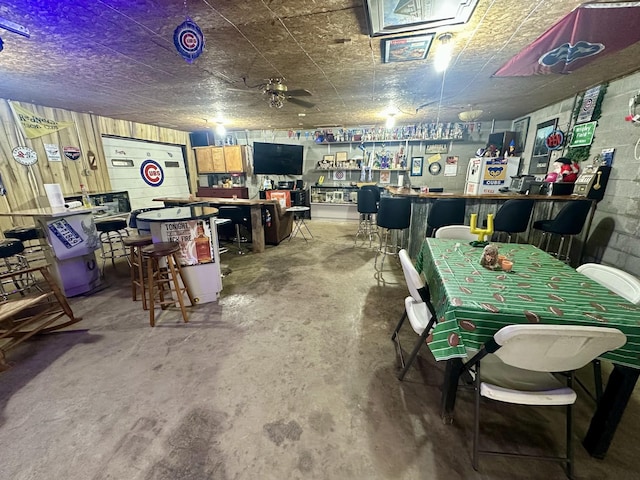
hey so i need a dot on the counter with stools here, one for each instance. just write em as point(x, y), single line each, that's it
point(165, 282)
point(111, 234)
point(194, 228)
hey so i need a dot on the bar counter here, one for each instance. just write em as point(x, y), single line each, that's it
point(545, 206)
point(69, 244)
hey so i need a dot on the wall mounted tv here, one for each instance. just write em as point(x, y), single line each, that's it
point(277, 159)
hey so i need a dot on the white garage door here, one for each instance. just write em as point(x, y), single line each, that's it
point(146, 170)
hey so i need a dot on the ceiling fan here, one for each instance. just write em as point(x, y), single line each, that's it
point(278, 93)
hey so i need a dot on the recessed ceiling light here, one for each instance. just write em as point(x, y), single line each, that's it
point(302, 114)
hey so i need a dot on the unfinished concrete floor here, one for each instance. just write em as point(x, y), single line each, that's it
point(290, 376)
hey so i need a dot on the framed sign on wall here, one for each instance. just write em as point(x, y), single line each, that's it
point(540, 157)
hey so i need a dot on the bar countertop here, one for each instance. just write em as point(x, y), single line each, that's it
point(409, 192)
point(172, 214)
point(47, 212)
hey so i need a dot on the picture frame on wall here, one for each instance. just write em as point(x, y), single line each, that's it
point(389, 17)
point(403, 49)
point(540, 156)
point(417, 164)
point(521, 127)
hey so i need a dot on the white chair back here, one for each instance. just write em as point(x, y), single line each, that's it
point(411, 275)
point(616, 280)
point(555, 348)
point(461, 232)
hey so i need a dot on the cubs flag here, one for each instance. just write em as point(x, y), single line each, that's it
point(35, 126)
point(589, 32)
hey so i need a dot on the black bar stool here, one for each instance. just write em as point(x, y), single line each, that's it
point(162, 280)
point(136, 261)
point(394, 213)
point(239, 217)
point(567, 223)
point(111, 244)
point(513, 217)
point(367, 208)
point(11, 252)
point(30, 237)
point(443, 212)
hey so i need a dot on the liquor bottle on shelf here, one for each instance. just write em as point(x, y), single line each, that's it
point(86, 201)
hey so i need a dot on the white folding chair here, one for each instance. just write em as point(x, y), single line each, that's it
point(620, 283)
point(461, 232)
point(616, 280)
point(418, 308)
point(517, 367)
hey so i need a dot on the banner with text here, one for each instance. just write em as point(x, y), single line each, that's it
point(35, 126)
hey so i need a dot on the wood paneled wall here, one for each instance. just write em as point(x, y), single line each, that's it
point(25, 184)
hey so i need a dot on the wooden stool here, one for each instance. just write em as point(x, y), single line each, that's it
point(162, 277)
point(135, 244)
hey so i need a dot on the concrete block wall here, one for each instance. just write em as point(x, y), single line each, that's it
point(615, 231)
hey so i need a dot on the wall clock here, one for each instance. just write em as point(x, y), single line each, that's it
point(24, 155)
point(434, 168)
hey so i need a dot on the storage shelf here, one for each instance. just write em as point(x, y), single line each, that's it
point(394, 140)
point(360, 169)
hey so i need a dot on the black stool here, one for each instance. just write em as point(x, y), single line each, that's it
point(394, 213)
point(239, 216)
point(513, 217)
point(11, 252)
point(111, 244)
point(30, 237)
point(367, 208)
point(567, 223)
point(443, 212)
point(162, 280)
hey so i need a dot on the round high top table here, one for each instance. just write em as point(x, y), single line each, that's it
point(299, 223)
point(194, 228)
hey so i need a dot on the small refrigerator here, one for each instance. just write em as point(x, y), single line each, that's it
point(488, 174)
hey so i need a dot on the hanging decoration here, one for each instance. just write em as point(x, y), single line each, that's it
point(581, 153)
point(188, 39)
point(24, 155)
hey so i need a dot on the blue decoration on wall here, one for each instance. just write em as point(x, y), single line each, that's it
point(188, 39)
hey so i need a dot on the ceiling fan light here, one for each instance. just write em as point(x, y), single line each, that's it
point(470, 115)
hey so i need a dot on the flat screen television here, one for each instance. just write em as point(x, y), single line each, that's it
point(277, 159)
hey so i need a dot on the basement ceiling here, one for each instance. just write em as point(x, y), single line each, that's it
point(116, 58)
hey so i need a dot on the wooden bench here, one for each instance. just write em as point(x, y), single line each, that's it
point(23, 316)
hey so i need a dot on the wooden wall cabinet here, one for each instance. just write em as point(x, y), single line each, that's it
point(227, 159)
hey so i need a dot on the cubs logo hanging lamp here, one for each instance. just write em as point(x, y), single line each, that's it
point(188, 38)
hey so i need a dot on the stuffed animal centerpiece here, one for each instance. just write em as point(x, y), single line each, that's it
point(489, 258)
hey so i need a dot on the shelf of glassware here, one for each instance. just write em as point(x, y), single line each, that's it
point(334, 202)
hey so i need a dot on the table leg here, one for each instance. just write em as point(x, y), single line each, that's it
point(450, 388)
point(610, 409)
point(257, 230)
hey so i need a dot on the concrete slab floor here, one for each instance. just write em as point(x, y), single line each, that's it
point(290, 376)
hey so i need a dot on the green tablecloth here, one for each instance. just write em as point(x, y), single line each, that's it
point(473, 302)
